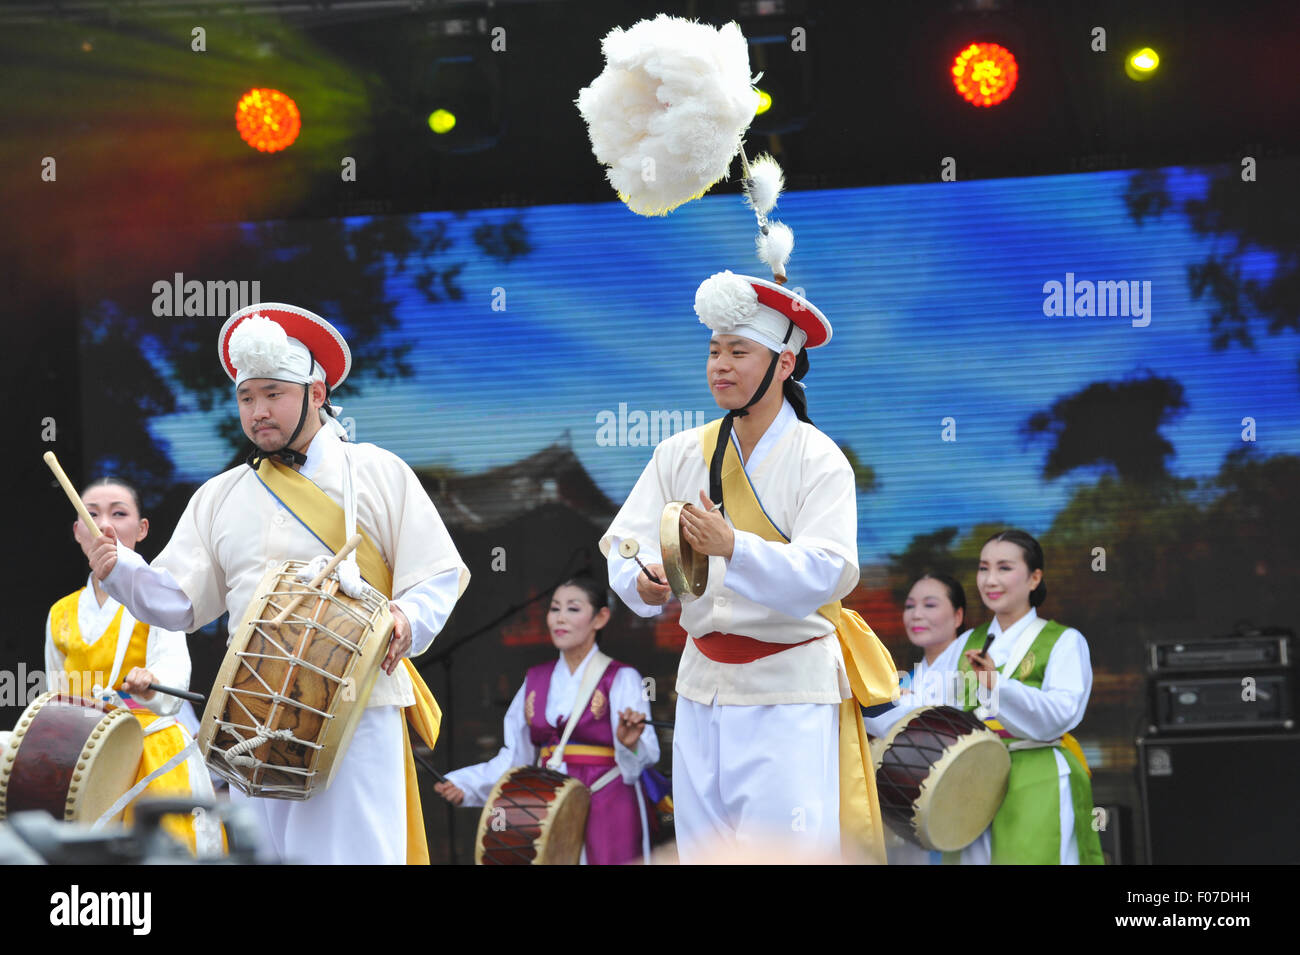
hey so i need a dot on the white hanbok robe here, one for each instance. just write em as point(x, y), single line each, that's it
point(755, 746)
point(232, 531)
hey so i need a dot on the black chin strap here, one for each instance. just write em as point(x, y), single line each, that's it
point(724, 433)
point(286, 454)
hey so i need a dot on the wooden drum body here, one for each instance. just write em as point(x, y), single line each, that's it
point(70, 756)
point(534, 816)
point(687, 571)
point(941, 775)
point(288, 699)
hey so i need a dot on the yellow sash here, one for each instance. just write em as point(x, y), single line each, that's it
point(870, 668)
point(324, 517)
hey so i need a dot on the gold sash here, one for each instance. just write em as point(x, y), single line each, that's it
point(870, 668)
point(324, 517)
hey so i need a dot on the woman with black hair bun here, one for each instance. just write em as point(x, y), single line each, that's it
point(610, 746)
point(1035, 676)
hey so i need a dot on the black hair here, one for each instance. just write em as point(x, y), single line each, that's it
point(596, 594)
point(1033, 552)
point(109, 479)
point(956, 593)
point(793, 391)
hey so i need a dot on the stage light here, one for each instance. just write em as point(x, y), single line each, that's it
point(442, 121)
point(984, 74)
point(1142, 65)
point(764, 102)
point(267, 120)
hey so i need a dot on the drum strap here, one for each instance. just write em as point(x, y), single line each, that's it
point(125, 799)
point(613, 774)
point(596, 667)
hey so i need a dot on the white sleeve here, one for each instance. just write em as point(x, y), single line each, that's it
point(623, 574)
point(427, 606)
point(477, 780)
point(1045, 714)
point(167, 657)
point(150, 594)
point(54, 660)
point(788, 578)
point(627, 693)
point(883, 721)
point(638, 520)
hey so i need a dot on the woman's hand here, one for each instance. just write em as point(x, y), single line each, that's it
point(985, 669)
point(137, 683)
point(631, 724)
point(450, 792)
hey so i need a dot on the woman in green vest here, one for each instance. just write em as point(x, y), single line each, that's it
point(1035, 682)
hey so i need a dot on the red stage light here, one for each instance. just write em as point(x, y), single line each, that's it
point(984, 73)
point(267, 120)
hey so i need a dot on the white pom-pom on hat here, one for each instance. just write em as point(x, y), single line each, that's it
point(667, 113)
point(724, 300)
point(259, 347)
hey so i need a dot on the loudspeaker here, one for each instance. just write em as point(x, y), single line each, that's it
point(1220, 800)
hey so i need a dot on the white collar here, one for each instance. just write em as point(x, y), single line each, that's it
point(320, 452)
point(785, 420)
point(563, 667)
point(1016, 628)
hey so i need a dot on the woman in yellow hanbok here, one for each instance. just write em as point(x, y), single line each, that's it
point(93, 646)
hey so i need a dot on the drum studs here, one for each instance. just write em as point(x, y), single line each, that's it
point(76, 777)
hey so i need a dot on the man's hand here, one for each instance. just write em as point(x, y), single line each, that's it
point(100, 551)
point(450, 792)
point(656, 595)
point(630, 726)
point(985, 669)
point(137, 682)
point(707, 531)
point(401, 641)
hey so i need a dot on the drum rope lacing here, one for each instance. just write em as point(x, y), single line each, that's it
point(235, 754)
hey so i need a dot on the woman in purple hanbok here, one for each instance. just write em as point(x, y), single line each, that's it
point(609, 747)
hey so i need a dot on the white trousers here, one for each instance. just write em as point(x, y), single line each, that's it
point(756, 779)
point(360, 819)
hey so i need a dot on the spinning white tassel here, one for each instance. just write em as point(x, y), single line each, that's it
point(774, 248)
point(668, 112)
point(764, 184)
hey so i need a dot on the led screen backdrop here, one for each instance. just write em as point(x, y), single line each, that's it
point(1041, 353)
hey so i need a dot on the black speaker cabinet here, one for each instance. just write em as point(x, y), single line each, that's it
point(1218, 800)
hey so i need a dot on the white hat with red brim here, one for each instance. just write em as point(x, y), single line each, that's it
point(284, 343)
point(760, 311)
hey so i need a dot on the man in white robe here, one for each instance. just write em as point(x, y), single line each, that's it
point(234, 529)
point(755, 745)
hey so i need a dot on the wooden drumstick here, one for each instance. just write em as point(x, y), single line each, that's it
point(173, 691)
point(319, 579)
point(630, 548)
point(73, 496)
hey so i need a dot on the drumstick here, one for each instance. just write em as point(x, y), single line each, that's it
point(73, 496)
point(337, 559)
point(172, 691)
point(661, 724)
point(630, 548)
point(429, 766)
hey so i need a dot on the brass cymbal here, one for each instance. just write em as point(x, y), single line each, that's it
point(687, 571)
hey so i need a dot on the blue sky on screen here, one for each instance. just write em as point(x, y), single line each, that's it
point(936, 297)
